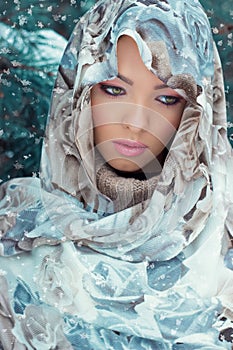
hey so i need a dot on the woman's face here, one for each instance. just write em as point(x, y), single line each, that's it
point(135, 115)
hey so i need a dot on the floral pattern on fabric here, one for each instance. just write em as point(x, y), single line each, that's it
point(75, 274)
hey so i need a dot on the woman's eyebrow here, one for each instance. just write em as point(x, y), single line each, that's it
point(130, 82)
point(161, 86)
point(126, 80)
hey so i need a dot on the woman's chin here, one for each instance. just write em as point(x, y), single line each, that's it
point(124, 165)
point(129, 168)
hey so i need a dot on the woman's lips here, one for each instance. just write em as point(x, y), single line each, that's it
point(129, 148)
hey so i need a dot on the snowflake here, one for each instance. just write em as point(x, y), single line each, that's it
point(173, 332)
point(127, 257)
point(56, 17)
point(40, 24)
point(16, 63)
point(5, 81)
point(8, 198)
point(222, 338)
point(9, 214)
point(67, 150)
point(84, 335)
point(26, 157)
point(22, 20)
point(205, 81)
point(59, 90)
point(215, 30)
point(37, 140)
point(5, 50)
point(25, 82)
point(18, 166)
point(7, 71)
point(73, 50)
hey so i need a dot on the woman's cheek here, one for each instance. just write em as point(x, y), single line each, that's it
point(104, 114)
point(163, 130)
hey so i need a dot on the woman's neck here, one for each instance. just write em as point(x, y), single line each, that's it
point(138, 175)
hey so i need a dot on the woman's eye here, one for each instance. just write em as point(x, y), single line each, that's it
point(168, 100)
point(113, 90)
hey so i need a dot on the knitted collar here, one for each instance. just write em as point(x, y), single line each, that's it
point(125, 192)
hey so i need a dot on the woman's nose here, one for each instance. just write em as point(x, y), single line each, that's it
point(136, 117)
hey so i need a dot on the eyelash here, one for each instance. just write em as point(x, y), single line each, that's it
point(108, 89)
point(174, 98)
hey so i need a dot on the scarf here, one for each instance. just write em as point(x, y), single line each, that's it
point(81, 269)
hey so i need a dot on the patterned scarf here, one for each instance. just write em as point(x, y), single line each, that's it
point(80, 271)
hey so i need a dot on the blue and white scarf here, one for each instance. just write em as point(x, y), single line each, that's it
point(74, 274)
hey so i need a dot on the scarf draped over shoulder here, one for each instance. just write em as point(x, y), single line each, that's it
point(155, 273)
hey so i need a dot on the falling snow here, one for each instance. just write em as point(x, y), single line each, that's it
point(28, 69)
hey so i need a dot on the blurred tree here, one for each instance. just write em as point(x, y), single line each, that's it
point(28, 65)
point(59, 15)
point(31, 44)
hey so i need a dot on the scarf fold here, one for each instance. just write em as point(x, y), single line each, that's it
point(91, 260)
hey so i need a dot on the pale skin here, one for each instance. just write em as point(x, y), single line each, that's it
point(135, 115)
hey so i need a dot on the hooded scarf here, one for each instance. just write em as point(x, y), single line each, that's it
point(81, 271)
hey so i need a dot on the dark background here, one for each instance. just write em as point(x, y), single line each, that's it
point(31, 44)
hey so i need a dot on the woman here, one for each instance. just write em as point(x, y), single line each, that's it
point(126, 240)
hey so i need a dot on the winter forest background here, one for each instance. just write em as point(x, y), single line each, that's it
point(33, 36)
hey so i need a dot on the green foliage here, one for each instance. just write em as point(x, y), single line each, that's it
point(60, 15)
point(30, 51)
point(28, 66)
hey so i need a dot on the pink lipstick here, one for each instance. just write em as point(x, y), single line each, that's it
point(129, 148)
